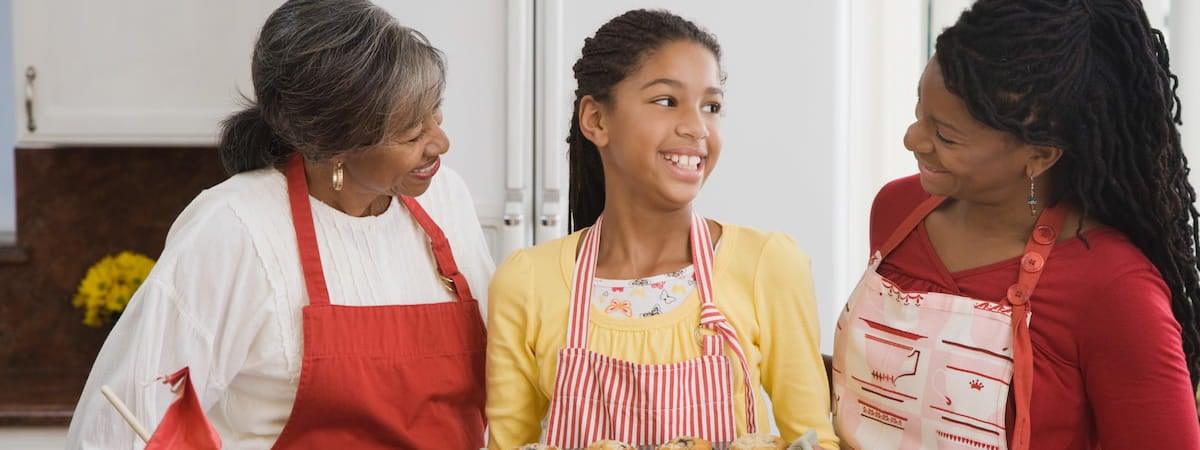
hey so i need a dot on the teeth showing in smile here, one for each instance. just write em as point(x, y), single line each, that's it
point(425, 168)
point(684, 161)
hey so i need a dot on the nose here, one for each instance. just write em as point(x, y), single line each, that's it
point(692, 125)
point(438, 143)
point(915, 139)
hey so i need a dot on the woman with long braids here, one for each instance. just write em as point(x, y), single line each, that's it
point(1035, 286)
point(665, 324)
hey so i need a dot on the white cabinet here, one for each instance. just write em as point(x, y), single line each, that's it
point(130, 71)
point(148, 72)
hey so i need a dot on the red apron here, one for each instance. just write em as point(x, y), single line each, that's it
point(914, 370)
point(599, 397)
point(396, 376)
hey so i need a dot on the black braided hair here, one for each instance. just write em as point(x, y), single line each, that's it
point(615, 51)
point(1091, 77)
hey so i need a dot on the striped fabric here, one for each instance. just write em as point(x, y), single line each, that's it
point(598, 397)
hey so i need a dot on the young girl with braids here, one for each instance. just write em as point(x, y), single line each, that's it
point(664, 324)
point(1035, 286)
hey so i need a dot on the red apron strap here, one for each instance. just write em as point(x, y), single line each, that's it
point(1037, 251)
point(916, 216)
point(581, 287)
point(447, 267)
point(306, 235)
point(712, 318)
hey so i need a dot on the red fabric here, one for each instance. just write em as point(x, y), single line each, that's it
point(184, 426)
point(447, 267)
point(1037, 252)
point(1108, 367)
point(385, 377)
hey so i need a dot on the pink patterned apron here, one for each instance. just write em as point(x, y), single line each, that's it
point(599, 397)
point(924, 370)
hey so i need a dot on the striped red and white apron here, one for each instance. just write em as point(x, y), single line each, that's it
point(926, 370)
point(599, 397)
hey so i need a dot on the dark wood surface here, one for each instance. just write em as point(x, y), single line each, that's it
point(39, 397)
point(75, 206)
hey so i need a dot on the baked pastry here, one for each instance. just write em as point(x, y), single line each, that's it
point(687, 443)
point(758, 441)
point(536, 446)
point(610, 445)
point(807, 441)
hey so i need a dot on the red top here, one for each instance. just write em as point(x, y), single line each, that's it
point(1107, 353)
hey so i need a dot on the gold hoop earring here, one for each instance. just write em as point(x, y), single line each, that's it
point(338, 177)
point(1032, 198)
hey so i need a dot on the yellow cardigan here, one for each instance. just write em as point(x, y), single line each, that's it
point(762, 283)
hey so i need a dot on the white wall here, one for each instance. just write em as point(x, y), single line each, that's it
point(886, 53)
point(1185, 62)
point(8, 198)
point(783, 158)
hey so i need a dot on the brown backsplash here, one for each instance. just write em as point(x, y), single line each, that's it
point(75, 206)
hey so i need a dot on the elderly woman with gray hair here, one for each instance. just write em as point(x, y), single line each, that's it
point(314, 297)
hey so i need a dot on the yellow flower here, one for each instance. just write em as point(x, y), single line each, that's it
point(109, 284)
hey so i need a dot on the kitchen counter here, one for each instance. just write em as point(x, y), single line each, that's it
point(38, 398)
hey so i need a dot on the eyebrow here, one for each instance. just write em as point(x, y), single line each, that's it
point(939, 121)
point(948, 125)
point(678, 85)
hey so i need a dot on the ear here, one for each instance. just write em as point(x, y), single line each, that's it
point(592, 121)
point(1041, 159)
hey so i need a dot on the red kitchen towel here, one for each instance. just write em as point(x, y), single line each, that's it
point(184, 426)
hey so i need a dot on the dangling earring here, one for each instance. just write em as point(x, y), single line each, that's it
point(338, 177)
point(1032, 198)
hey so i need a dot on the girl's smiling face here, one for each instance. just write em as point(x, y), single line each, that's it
point(659, 131)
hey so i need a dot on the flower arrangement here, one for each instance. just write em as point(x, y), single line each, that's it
point(108, 286)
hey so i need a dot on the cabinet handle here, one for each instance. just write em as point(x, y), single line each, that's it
point(30, 75)
point(549, 214)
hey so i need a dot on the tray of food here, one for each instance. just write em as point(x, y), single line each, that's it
point(753, 441)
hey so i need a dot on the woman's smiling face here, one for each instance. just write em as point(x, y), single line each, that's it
point(957, 155)
point(404, 164)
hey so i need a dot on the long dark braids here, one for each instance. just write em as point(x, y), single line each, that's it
point(615, 51)
point(1091, 77)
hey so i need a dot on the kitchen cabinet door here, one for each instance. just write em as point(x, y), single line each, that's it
point(130, 72)
point(147, 72)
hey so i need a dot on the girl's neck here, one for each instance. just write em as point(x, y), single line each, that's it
point(637, 241)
